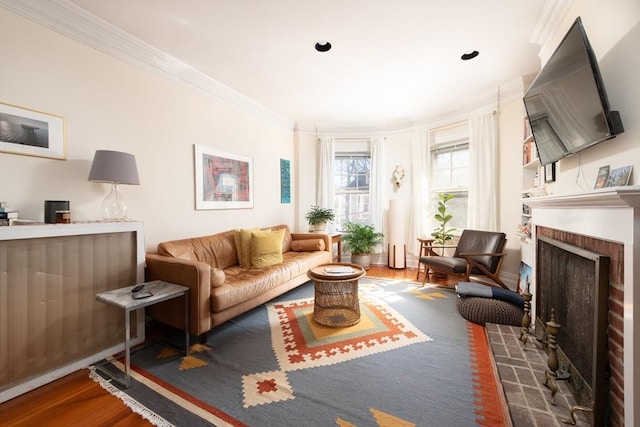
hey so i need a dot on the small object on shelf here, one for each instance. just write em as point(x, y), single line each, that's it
point(7, 217)
point(142, 295)
point(524, 230)
point(338, 270)
point(137, 288)
point(619, 176)
point(603, 176)
point(63, 217)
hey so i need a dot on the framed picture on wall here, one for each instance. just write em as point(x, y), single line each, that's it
point(223, 180)
point(31, 133)
point(285, 181)
point(550, 172)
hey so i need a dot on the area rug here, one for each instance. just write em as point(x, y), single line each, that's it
point(412, 360)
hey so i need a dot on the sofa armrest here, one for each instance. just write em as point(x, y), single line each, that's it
point(305, 236)
point(193, 274)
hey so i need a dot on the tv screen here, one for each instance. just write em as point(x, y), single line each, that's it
point(567, 104)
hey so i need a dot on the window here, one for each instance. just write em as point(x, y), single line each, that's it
point(450, 174)
point(352, 177)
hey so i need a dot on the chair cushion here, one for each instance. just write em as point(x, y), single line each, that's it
point(477, 241)
point(445, 263)
point(487, 310)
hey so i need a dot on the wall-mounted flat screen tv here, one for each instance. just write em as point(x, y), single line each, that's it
point(567, 104)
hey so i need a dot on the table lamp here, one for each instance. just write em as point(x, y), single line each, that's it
point(114, 167)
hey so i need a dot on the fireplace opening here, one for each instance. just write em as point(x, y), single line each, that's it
point(574, 283)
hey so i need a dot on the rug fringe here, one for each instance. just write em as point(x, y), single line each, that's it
point(133, 404)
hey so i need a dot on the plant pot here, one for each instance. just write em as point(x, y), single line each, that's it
point(363, 260)
point(319, 227)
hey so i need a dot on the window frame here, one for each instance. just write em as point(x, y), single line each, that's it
point(449, 139)
point(350, 149)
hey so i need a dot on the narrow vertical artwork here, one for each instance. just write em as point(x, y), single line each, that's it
point(285, 181)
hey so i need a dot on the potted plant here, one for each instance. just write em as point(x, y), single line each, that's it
point(361, 240)
point(441, 233)
point(318, 217)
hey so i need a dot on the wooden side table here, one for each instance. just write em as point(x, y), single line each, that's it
point(336, 238)
point(426, 249)
point(123, 298)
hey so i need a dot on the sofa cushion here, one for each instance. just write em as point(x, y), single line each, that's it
point(217, 250)
point(217, 277)
point(286, 241)
point(266, 247)
point(242, 285)
point(307, 245)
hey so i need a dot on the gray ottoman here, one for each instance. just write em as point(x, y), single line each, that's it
point(487, 310)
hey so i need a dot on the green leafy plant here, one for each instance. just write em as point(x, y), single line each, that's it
point(441, 233)
point(361, 238)
point(318, 215)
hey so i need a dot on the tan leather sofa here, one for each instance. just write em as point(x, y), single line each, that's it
point(220, 288)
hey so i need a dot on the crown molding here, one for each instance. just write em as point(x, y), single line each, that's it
point(69, 19)
point(550, 20)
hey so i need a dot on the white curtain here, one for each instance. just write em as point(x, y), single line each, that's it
point(483, 154)
point(420, 168)
point(376, 208)
point(324, 185)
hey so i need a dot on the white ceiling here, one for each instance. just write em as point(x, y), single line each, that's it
point(391, 62)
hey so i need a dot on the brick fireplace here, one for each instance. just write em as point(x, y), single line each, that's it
point(606, 221)
point(613, 406)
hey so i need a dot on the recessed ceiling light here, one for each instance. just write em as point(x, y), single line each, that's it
point(323, 46)
point(469, 55)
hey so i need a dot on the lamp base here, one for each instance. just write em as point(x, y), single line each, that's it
point(113, 206)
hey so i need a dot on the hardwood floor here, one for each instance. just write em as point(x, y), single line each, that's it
point(76, 400)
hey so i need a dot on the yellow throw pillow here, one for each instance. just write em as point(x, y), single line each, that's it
point(242, 239)
point(307, 245)
point(266, 247)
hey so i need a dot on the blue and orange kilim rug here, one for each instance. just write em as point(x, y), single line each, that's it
point(412, 360)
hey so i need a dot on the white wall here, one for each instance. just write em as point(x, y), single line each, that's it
point(613, 29)
point(511, 131)
point(111, 105)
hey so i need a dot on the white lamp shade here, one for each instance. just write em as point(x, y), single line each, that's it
point(114, 167)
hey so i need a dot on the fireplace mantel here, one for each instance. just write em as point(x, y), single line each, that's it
point(614, 197)
point(611, 214)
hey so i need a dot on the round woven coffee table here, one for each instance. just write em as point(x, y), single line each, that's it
point(336, 302)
